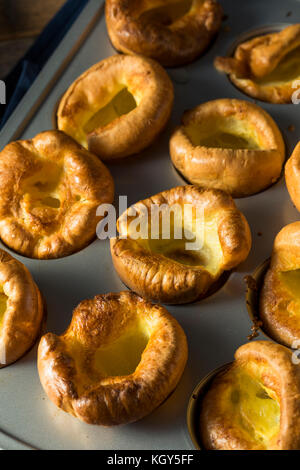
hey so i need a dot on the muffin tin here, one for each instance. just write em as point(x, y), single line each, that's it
point(217, 325)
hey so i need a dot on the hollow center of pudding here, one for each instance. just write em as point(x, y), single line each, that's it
point(291, 280)
point(254, 407)
point(123, 355)
point(168, 13)
point(176, 251)
point(186, 237)
point(229, 133)
point(287, 70)
point(3, 305)
point(42, 187)
point(118, 105)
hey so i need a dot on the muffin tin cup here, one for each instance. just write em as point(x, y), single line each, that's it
point(195, 402)
point(254, 286)
point(186, 181)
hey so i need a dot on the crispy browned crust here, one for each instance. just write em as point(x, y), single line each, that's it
point(280, 375)
point(292, 176)
point(171, 45)
point(24, 314)
point(241, 172)
point(277, 305)
point(132, 132)
point(120, 399)
point(45, 232)
point(163, 280)
point(256, 58)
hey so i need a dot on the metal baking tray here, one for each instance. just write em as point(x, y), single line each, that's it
point(216, 326)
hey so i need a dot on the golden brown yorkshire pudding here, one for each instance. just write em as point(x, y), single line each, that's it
point(192, 236)
point(21, 310)
point(292, 176)
point(174, 32)
point(117, 107)
point(228, 144)
point(280, 295)
point(254, 404)
point(50, 188)
point(119, 359)
point(266, 67)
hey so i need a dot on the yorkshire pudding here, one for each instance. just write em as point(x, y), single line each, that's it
point(267, 66)
point(174, 32)
point(161, 264)
point(21, 310)
point(280, 295)
point(292, 176)
point(228, 144)
point(119, 359)
point(254, 404)
point(117, 107)
point(50, 188)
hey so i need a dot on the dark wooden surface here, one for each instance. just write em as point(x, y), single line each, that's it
point(21, 21)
